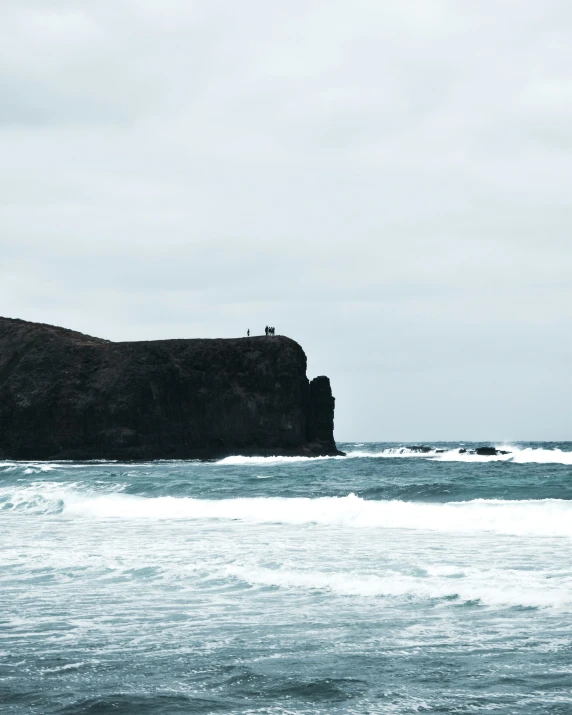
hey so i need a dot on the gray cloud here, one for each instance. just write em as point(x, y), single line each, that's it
point(388, 183)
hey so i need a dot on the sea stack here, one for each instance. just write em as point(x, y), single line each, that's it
point(64, 395)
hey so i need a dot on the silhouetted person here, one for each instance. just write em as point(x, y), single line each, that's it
point(266, 329)
point(248, 333)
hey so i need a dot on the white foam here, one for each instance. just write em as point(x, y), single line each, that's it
point(239, 460)
point(493, 588)
point(542, 518)
point(62, 668)
point(517, 455)
point(546, 517)
point(31, 467)
point(530, 455)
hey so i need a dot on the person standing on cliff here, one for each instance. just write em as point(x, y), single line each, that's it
point(266, 330)
point(248, 333)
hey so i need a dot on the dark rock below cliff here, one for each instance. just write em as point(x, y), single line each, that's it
point(64, 395)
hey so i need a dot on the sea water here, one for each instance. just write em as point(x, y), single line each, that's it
point(386, 581)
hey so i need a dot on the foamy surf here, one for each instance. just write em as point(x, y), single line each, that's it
point(474, 585)
point(550, 517)
point(515, 454)
point(268, 578)
point(241, 461)
point(546, 517)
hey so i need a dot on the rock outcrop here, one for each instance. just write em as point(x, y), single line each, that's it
point(480, 451)
point(64, 395)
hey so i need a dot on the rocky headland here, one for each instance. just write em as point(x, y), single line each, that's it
point(64, 395)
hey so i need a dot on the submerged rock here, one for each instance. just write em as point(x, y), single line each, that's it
point(64, 395)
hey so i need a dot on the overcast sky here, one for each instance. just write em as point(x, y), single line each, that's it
point(386, 181)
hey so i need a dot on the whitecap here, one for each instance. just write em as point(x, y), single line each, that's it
point(543, 517)
point(495, 587)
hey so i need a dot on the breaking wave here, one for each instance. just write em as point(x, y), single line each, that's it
point(544, 517)
point(496, 588)
point(515, 455)
point(240, 461)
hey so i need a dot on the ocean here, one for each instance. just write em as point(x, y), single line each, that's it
point(386, 581)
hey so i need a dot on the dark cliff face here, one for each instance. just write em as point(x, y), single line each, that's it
point(70, 396)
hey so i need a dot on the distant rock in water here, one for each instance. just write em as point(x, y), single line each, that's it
point(484, 451)
point(489, 451)
point(481, 451)
point(64, 395)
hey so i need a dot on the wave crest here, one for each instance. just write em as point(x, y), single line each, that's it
point(495, 587)
point(545, 517)
point(515, 455)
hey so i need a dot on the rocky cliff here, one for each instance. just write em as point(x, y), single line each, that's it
point(64, 395)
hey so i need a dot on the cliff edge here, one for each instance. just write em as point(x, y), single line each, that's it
point(64, 395)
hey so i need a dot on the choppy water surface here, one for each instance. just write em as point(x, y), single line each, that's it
point(387, 581)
